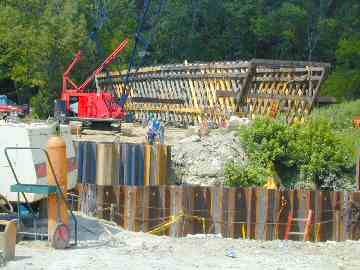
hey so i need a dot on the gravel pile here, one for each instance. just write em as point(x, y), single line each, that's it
point(201, 160)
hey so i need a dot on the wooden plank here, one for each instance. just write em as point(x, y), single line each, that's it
point(176, 197)
point(117, 164)
point(145, 209)
point(138, 208)
point(287, 79)
point(120, 207)
point(109, 200)
point(285, 208)
point(225, 212)
point(251, 212)
point(301, 210)
point(147, 164)
point(130, 202)
point(240, 211)
point(155, 207)
point(156, 100)
point(140, 164)
point(88, 199)
point(260, 220)
point(337, 206)
point(270, 214)
point(325, 100)
point(326, 216)
point(132, 164)
point(284, 63)
point(355, 216)
point(165, 205)
point(162, 164)
point(347, 216)
point(202, 205)
point(127, 209)
point(216, 209)
point(105, 166)
point(187, 209)
point(126, 160)
point(231, 214)
point(154, 177)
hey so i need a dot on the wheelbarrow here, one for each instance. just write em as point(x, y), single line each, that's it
point(60, 237)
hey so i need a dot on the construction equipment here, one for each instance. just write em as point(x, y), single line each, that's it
point(308, 224)
point(102, 107)
point(89, 106)
point(7, 107)
point(60, 237)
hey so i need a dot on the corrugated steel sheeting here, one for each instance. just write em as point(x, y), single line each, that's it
point(251, 213)
point(104, 163)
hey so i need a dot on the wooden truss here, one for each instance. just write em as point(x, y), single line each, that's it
point(192, 93)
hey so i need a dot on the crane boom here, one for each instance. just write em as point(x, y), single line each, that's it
point(66, 76)
point(107, 62)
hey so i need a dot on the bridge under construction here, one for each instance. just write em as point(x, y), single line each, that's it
point(194, 92)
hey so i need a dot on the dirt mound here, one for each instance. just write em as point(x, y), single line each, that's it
point(201, 160)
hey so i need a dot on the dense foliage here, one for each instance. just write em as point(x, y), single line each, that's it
point(39, 38)
point(310, 155)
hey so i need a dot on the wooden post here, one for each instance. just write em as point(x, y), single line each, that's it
point(288, 226)
point(147, 161)
point(337, 225)
point(308, 226)
point(112, 212)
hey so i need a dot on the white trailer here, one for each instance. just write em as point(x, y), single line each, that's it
point(30, 165)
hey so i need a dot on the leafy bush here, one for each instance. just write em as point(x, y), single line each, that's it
point(340, 117)
point(343, 83)
point(42, 104)
point(249, 175)
point(304, 155)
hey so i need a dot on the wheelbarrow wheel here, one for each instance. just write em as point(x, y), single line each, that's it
point(61, 237)
point(5, 205)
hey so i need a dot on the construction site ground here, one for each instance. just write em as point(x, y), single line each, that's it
point(104, 246)
point(130, 133)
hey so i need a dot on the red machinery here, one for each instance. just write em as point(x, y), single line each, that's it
point(89, 106)
point(8, 107)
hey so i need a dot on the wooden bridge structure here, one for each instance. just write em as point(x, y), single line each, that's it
point(194, 92)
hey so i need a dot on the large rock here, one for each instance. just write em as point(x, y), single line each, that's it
point(235, 122)
point(201, 161)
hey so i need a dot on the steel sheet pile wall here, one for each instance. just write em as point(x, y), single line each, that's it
point(122, 163)
point(252, 213)
point(195, 92)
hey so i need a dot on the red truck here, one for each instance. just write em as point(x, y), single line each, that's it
point(7, 107)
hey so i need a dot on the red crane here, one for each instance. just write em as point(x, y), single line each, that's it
point(80, 104)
